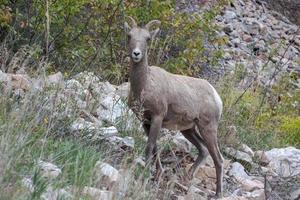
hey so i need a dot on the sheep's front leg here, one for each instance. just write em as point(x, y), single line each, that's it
point(156, 123)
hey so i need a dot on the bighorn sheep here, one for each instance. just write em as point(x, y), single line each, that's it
point(173, 101)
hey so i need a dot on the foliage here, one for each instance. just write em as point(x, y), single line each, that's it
point(291, 131)
point(89, 34)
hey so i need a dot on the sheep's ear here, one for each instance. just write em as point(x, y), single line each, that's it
point(127, 28)
point(154, 33)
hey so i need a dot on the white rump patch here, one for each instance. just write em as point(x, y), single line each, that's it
point(218, 99)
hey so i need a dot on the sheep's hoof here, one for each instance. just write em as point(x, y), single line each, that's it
point(216, 196)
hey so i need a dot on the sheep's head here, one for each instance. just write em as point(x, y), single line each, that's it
point(138, 38)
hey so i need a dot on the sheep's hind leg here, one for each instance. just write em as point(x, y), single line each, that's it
point(209, 134)
point(196, 140)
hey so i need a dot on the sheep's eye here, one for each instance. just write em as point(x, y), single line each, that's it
point(128, 37)
point(148, 39)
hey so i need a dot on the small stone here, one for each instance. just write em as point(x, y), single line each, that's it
point(106, 174)
point(139, 161)
point(80, 124)
point(55, 194)
point(242, 157)
point(97, 194)
point(28, 183)
point(228, 29)
point(123, 89)
point(49, 170)
point(247, 150)
point(247, 38)
point(229, 15)
point(237, 170)
point(123, 143)
point(56, 79)
point(108, 131)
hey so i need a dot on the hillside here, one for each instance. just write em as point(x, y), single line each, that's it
point(66, 131)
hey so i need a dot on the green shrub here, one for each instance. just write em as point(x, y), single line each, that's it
point(291, 131)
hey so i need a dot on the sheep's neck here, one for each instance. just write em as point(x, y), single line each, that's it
point(138, 78)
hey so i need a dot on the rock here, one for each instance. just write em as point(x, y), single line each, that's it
point(108, 131)
point(111, 109)
point(181, 144)
point(3, 77)
point(290, 8)
point(139, 161)
point(87, 79)
point(256, 195)
point(55, 194)
point(229, 15)
point(105, 88)
point(285, 161)
point(237, 171)
point(55, 79)
point(75, 85)
point(97, 194)
point(121, 143)
point(228, 29)
point(81, 125)
point(242, 157)
point(196, 193)
point(295, 194)
point(244, 148)
point(250, 185)
point(106, 173)
point(247, 38)
point(205, 172)
point(49, 170)
point(28, 183)
point(123, 90)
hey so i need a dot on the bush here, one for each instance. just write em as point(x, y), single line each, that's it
point(291, 131)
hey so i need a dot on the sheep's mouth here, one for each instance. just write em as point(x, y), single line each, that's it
point(136, 59)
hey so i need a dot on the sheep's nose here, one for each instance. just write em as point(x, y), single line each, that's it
point(136, 53)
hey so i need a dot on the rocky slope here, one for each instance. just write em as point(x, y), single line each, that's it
point(262, 43)
point(273, 174)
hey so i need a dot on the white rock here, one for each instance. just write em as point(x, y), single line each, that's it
point(111, 108)
point(181, 143)
point(195, 193)
point(55, 194)
point(285, 161)
point(105, 169)
point(244, 148)
point(237, 171)
point(97, 194)
point(87, 79)
point(80, 124)
point(123, 90)
point(119, 142)
point(57, 79)
point(108, 131)
point(295, 194)
point(105, 88)
point(239, 155)
point(28, 183)
point(250, 185)
point(75, 85)
point(49, 170)
point(229, 15)
point(255, 195)
point(3, 77)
